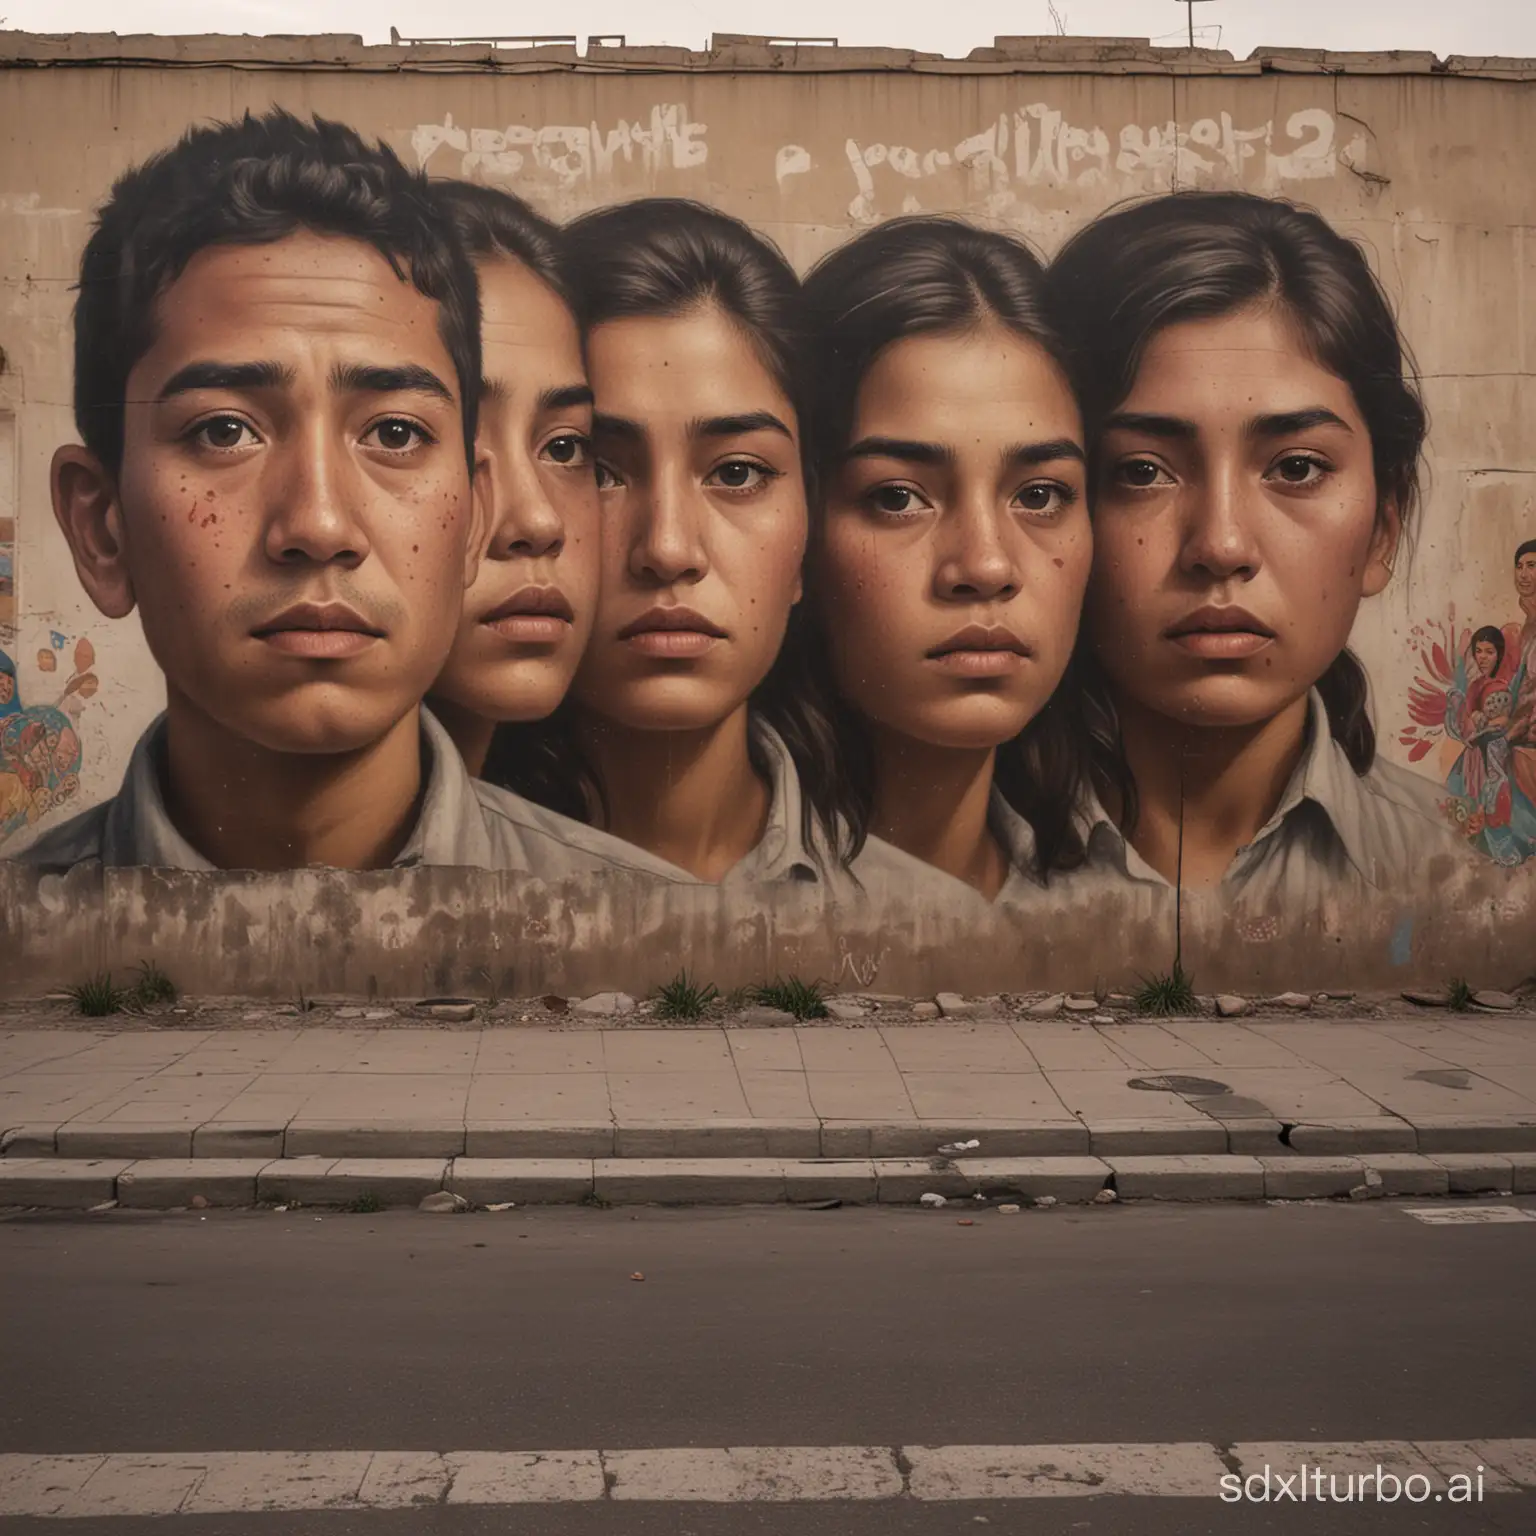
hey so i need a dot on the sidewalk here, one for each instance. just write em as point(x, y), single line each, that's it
point(1433, 1103)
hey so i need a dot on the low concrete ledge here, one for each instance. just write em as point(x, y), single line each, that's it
point(1075, 1180)
point(1188, 1178)
point(718, 1138)
point(1353, 1134)
point(176, 1183)
point(344, 1138)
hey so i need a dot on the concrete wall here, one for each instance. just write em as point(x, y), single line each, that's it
point(1427, 161)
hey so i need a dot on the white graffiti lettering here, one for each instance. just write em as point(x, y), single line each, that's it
point(568, 156)
point(1037, 147)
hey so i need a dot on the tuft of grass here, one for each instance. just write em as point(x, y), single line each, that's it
point(366, 1204)
point(801, 998)
point(1167, 994)
point(153, 985)
point(1458, 995)
point(684, 998)
point(98, 996)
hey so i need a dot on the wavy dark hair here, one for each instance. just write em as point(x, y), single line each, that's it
point(939, 276)
point(1197, 256)
point(670, 257)
point(253, 182)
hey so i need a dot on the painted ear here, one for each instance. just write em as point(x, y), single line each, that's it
point(85, 502)
point(1382, 553)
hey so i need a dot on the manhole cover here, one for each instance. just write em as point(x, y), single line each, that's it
point(1191, 1087)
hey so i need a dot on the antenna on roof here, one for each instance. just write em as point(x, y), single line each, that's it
point(1189, 8)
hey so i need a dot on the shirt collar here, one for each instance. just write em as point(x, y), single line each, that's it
point(1324, 776)
point(781, 852)
point(450, 828)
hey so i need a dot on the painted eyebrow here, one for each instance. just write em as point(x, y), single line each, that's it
point(212, 375)
point(1174, 428)
point(559, 398)
point(617, 426)
point(1285, 423)
point(407, 378)
point(911, 452)
point(737, 425)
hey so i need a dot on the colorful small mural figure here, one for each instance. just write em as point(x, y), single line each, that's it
point(1477, 691)
point(40, 750)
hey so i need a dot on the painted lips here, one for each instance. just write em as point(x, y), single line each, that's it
point(319, 632)
point(533, 616)
point(981, 650)
point(672, 634)
point(1220, 634)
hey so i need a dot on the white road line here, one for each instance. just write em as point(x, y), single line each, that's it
point(203, 1483)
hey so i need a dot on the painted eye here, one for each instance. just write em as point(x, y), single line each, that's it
point(739, 475)
point(396, 435)
point(896, 500)
point(1299, 469)
point(223, 432)
point(1045, 498)
point(1139, 473)
point(570, 449)
point(608, 478)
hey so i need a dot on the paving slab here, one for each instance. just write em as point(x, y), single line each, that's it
point(984, 1095)
point(1058, 1046)
point(1153, 1048)
point(1475, 1133)
point(1188, 1178)
point(765, 1050)
point(1476, 1173)
point(524, 1181)
point(688, 1181)
point(1523, 1169)
point(574, 1096)
point(539, 1050)
point(161, 1183)
point(30, 1140)
point(1352, 1134)
point(312, 1136)
point(75, 1183)
point(1106, 1094)
point(1310, 1178)
point(775, 1094)
point(1407, 1173)
point(93, 1138)
point(717, 1138)
point(1151, 1137)
point(1070, 1179)
point(628, 1052)
point(538, 1138)
point(873, 1095)
point(959, 1046)
point(657, 1094)
point(952, 1472)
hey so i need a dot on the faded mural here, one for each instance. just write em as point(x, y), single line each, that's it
point(1019, 521)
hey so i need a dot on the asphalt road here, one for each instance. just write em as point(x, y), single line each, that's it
point(524, 1330)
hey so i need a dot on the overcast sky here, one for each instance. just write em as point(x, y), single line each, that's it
point(941, 26)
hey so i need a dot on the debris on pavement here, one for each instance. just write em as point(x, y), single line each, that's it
point(502, 1205)
point(955, 1148)
point(637, 1276)
point(443, 1202)
point(933, 1200)
point(1009, 1209)
point(1044, 1202)
point(1105, 1197)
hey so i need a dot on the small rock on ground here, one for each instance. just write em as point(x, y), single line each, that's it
point(1045, 1202)
point(1436, 997)
point(1082, 1005)
point(952, 1006)
point(925, 1010)
point(1105, 1197)
point(451, 1013)
point(1008, 1210)
point(843, 1011)
point(1296, 1000)
point(1500, 1002)
point(1047, 1007)
point(931, 1199)
point(604, 1005)
point(1230, 1006)
point(443, 1202)
point(759, 1014)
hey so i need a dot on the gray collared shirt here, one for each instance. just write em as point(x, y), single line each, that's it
point(1332, 828)
point(462, 823)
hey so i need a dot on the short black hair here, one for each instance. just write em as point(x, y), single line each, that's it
point(490, 223)
point(1528, 548)
point(253, 182)
point(1488, 635)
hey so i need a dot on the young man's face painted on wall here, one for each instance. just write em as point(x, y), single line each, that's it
point(704, 521)
point(1525, 575)
point(294, 517)
point(957, 540)
point(1236, 527)
point(529, 613)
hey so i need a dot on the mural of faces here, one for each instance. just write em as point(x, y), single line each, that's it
point(293, 517)
point(704, 520)
point(1237, 527)
point(957, 543)
point(530, 610)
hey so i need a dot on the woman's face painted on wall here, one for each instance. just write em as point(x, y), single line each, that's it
point(1236, 528)
point(1486, 657)
point(703, 521)
point(957, 540)
point(530, 610)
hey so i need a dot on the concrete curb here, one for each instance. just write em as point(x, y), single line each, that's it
point(757, 1139)
point(374, 1183)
